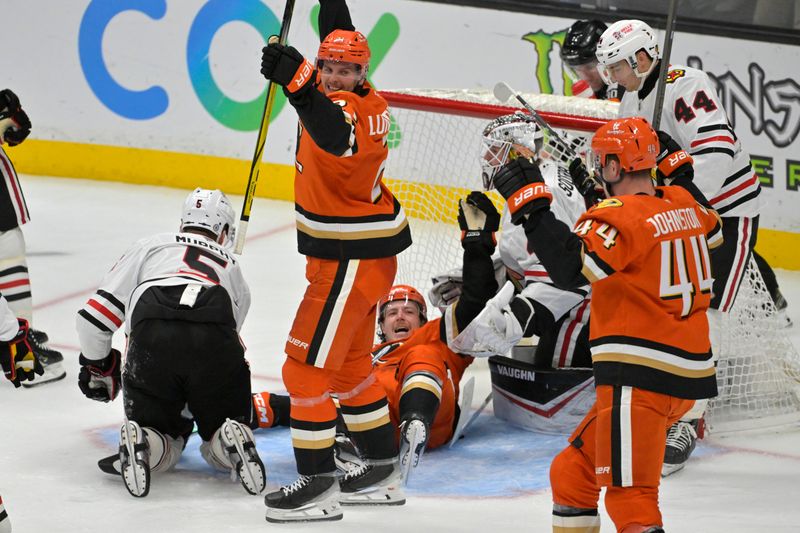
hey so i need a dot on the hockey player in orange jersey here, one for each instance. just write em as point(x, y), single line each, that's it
point(645, 250)
point(350, 228)
point(414, 362)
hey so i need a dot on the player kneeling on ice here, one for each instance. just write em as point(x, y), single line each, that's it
point(183, 299)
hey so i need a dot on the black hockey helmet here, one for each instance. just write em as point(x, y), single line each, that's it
point(580, 42)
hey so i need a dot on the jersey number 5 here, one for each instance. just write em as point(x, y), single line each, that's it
point(193, 258)
point(677, 281)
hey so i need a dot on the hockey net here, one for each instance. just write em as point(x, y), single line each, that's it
point(434, 149)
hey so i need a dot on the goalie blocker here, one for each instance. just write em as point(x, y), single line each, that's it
point(544, 400)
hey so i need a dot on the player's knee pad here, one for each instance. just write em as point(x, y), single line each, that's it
point(16, 280)
point(633, 506)
point(165, 451)
point(572, 480)
point(305, 381)
point(551, 401)
point(12, 244)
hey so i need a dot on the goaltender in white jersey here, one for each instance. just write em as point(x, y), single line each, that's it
point(183, 299)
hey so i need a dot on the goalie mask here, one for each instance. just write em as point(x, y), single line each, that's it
point(506, 138)
point(404, 294)
point(211, 211)
point(621, 41)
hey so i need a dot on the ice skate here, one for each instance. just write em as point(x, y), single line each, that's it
point(373, 484)
point(310, 498)
point(413, 438)
point(52, 361)
point(134, 458)
point(237, 440)
point(681, 440)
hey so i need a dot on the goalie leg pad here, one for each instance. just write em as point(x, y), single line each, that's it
point(232, 448)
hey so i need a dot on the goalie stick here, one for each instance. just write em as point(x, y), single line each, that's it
point(503, 92)
point(252, 180)
point(464, 423)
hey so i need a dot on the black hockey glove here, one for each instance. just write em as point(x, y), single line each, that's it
point(673, 161)
point(478, 219)
point(287, 67)
point(9, 103)
point(17, 359)
point(18, 129)
point(99, 379)
point(521, 184)
point(587, 185)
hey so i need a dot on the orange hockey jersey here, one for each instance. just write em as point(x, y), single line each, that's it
point(423, 351)
point(649, 263)
point(343, 209)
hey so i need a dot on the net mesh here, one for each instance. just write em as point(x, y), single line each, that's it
point(434, 143)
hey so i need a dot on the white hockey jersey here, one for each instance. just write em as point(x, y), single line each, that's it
point(9, 325)
point(567, 206)
point(167, 259)
point(694, 117)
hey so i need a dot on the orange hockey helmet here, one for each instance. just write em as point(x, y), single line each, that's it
point(632, 140)
point(405, 293)
point(344, 45)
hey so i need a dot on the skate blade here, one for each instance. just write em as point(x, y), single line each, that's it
point(244, 457)
point(375, 496)
point(409, 458)
point(54, 372)
point(668, 470)
point(321, 511)
point(135, 472)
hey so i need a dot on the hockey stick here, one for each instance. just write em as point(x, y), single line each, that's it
point(662, 71)
point(471, 420)
point(503, 92)
point(252, 180)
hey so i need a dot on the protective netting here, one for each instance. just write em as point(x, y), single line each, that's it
point(433, 160)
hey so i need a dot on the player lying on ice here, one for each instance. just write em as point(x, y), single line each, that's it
point(415, 362)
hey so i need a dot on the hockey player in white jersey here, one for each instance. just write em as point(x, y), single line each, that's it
point(693, 116)
point(15, 126)
point(183, 299)
point(558, 317)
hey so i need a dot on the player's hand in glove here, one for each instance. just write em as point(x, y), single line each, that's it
point(478, 219)
point(17, 359)
point(286, 66)
point(15, 129)
point(99, 379)
point(587, 184)
point(9, 103)
point(521, 184)
point(446, 288)
point(501, 324)
point(673, 161)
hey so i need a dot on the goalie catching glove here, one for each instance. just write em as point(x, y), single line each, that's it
point(498, 327)
point(673, 161)
point(521, 184)
point(17, 359)
point(287, 67)
point(478, 219)
point(99, 379)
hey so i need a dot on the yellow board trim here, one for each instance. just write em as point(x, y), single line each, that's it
point(187, 171)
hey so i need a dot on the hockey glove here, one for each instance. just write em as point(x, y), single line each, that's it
point(587, 184)
point(673, 161)
point(521, 184)
point(16, 129)
point(478, 219)
point(17, 358)
point(99, 379)
point(9, 103)
point(287, 67)
point(497, 328)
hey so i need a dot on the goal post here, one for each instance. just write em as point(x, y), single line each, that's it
point(434, 153)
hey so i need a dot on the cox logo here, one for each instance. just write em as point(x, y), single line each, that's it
point(153, 101)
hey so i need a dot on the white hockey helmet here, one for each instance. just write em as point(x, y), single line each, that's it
point(209, 210)
point(621, 41)
point(506, 138)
